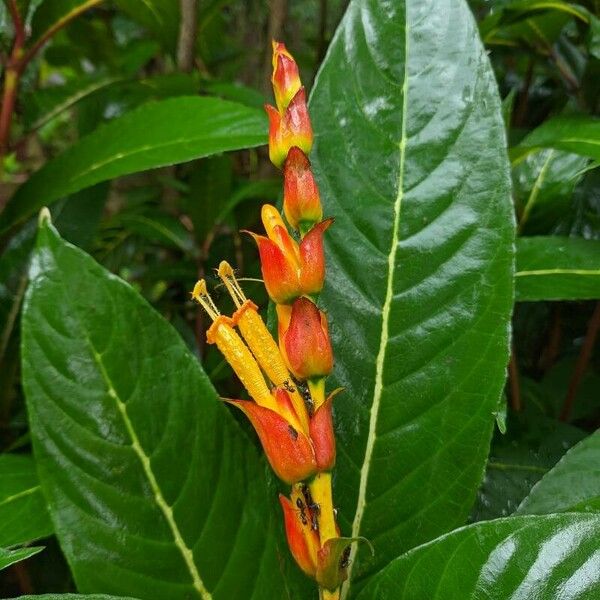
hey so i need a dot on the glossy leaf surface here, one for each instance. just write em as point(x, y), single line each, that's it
point(23, 513)
point(10, 557)
point(552, 557)
point(156, 134)
point(557, 268)
point(155, 492)
point(572, 485)
point(410, 156)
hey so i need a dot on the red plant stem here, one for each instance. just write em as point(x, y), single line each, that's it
point(582, 362)
point(552, 349)
point(513, 378)
point(18, 60)
point(11, 78)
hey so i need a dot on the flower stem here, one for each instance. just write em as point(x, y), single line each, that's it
point(320, 490)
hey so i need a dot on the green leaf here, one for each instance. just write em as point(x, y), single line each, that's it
point(550, 557)
point(45, 104)
point(235, 92)
point(138, 459)
point(10, 557)
point(410, 156)
point(23, 513)
point(156, 134)
point(572, 485)
point(52, 14)
point(576, 134)
point(594, 36)
point(543, 185)
point(73, 597)
point(533, 444)
point(160, 17)
point(557, 268)
point(160, 228)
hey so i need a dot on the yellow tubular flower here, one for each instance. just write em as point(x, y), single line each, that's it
point(261, 342)
point(233, 349)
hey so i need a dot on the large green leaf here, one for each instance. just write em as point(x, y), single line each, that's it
point(557, 268)
point(410, 156)
point(156, 134)
point(154, 490)
point(552, 557)
point(572, 485)
point(10, 557)
point(23, 513)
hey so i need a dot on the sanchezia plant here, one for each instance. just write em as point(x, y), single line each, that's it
point(290, 409)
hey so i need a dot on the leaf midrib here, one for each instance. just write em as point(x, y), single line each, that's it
point(385, 314)
point(538, 272)
point(18, 495)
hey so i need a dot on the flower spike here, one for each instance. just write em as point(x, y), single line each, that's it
point(293, 419)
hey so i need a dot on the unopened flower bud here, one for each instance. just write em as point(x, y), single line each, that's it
point(285, 78)
point(301, 199)
point(290, 128)
point(305, 341)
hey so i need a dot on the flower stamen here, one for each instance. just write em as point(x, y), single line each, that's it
point(261, 342)
point(234, 349)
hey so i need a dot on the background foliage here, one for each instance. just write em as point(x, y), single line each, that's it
point(125, 119)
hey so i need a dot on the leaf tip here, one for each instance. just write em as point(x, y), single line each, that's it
point(44, 217)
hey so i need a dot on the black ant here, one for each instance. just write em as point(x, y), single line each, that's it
point(305, 392)
point(293, 433)
point(288, 387)
point(313, 507)
point(345, 559)
point(301, 508)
